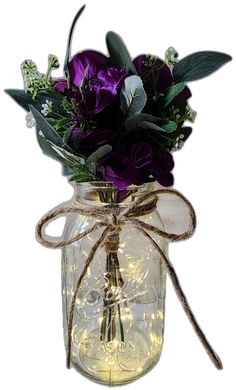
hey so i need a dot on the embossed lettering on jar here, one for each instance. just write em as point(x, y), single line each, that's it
point(118, 323)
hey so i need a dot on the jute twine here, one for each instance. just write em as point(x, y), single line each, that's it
point(112, 219)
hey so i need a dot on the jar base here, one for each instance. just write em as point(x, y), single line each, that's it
point(116, 363)
point(110, 383)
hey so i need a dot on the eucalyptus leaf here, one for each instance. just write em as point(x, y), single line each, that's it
point(198, 65)
point(135, 121)
point(172, 92)
point(169, 126)
point(151, 126)
point(119, 54)
point(99, 153)
point(133, 96)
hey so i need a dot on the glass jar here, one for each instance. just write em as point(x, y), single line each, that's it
point(118, 323)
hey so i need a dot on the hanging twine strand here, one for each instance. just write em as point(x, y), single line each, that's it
point(112, 218)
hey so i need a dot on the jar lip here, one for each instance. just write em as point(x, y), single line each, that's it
point(106, 193)
point(109, 185)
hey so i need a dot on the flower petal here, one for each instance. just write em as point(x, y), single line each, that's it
point(86, 64)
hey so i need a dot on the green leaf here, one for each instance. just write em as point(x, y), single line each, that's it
point(70, 106)
point(83, 177)
point(172, 92)
point(48, 131)
point(133, 96)
point(184, 132)
point(68, 133)
point(99, 153)
point(21, 97)
point(68, 48)
point(135, 121)
point(169, 126)
point(54, 97)
point(120, 56)
point(67, 170)
point(68, 157)
point(151, 126)
point(82, 174)
point(198, 65)
point(25, 99)
point(60, 123)
point(46, 147)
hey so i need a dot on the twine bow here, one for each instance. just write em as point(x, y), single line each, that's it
point(112, 218)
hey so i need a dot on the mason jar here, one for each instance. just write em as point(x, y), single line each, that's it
point(119, 310)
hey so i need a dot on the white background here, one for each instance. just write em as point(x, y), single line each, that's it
point(31, 345)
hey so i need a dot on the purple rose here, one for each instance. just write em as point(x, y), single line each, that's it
point(136, 164)
point(94, 86)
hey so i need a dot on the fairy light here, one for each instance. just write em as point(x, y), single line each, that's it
point(116, 335)
point(116, 360)
point(160, 315)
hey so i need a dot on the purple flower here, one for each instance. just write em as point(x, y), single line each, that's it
point(86, 141)
point(60, 85)
point(136, 164)
point(145, 65)
point(86, 64)
point(151, 68)
point(102, 90)
point(94, 86)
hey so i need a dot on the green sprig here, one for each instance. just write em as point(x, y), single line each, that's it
point(35, 81)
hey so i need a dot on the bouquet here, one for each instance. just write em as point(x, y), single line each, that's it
point(113, 118)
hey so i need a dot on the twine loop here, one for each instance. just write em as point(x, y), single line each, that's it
point(111, 218)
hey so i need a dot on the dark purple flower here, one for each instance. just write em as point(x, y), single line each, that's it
point(136, 164)
point(102, 90)
point(86, 64)
point(160, 72)
point(145, 65)
point(94, 86)
point(88, 140)
point(185, 94)
point(60, 85)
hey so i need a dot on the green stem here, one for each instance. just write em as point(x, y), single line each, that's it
point(119, 282)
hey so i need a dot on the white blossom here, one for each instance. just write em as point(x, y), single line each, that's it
point(179, 143)
point(47, 107)
point(41, 134)
point(191, 115)
point(30, 121)
point(171, 56)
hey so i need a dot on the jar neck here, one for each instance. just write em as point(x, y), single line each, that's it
point(105, 193)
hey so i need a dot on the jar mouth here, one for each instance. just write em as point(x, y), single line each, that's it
point(107, 193)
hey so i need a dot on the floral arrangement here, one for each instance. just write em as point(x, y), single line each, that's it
point(112, 118)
